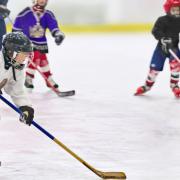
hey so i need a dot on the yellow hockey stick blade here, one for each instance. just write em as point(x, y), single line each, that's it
point(111, 175)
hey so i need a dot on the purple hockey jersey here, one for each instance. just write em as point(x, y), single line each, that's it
point(35, 26)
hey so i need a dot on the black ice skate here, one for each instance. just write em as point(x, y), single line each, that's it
point(29, 83)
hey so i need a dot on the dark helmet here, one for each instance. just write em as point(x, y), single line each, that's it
point(17, 42)
point(14, 43)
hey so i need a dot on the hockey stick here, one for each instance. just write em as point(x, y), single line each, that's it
point(103, 175)
point(56, 90)
point(174, 55)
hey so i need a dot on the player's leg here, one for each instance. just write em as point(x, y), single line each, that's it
point(156, 65)
point(44, 65)
point(30, 71)
point(150, 80)
point(174, 78)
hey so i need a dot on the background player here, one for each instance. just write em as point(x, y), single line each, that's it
point(33, 21)
point(166, 30)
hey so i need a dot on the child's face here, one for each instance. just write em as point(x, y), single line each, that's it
point(42, 2)
point(22, 57)
point(175, 11)
point(19, 60)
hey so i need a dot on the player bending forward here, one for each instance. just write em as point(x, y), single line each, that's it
point(33, 21)
point(166, 30)
point(16, 48)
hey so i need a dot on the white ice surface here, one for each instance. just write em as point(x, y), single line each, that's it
point(104, 123)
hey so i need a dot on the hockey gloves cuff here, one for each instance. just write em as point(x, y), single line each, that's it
point(27, 114)
point(166, 44)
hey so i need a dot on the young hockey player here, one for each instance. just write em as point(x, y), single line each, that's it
point(33, 21)
point(166, 30)
point(16, 48)
point(4, 12)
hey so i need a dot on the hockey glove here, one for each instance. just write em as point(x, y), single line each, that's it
point(59, 37)
point(4, 12)
point(166, 44)
point(27, 114)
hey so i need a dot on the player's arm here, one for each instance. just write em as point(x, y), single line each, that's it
point(165, 42)
point(17, 25)
point(4, 11)
point(53, 27)
point(158, 29)
point(17, 92)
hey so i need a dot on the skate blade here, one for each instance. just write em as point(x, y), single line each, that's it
point(66, 93)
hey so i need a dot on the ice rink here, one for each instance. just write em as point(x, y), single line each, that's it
point(104, 123)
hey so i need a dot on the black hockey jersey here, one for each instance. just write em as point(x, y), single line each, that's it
point(167, 26)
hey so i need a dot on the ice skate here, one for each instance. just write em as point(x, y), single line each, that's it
point(141, 90)
point(176, 91)
point(29, 82)
point(50, 82)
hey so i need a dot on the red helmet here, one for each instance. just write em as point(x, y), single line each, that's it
point(171, 3)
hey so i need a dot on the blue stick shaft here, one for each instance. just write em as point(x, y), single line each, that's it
point(104, 175)
point(33, 122)
point(43, 130)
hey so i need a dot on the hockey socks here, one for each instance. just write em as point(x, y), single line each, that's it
point(148, 84)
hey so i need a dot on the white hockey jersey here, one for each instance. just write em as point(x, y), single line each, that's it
point(14, 88)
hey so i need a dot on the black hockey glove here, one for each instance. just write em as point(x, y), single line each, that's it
point(27, 114)
point(59, 37)
point(4, 12)
point(166, 44)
